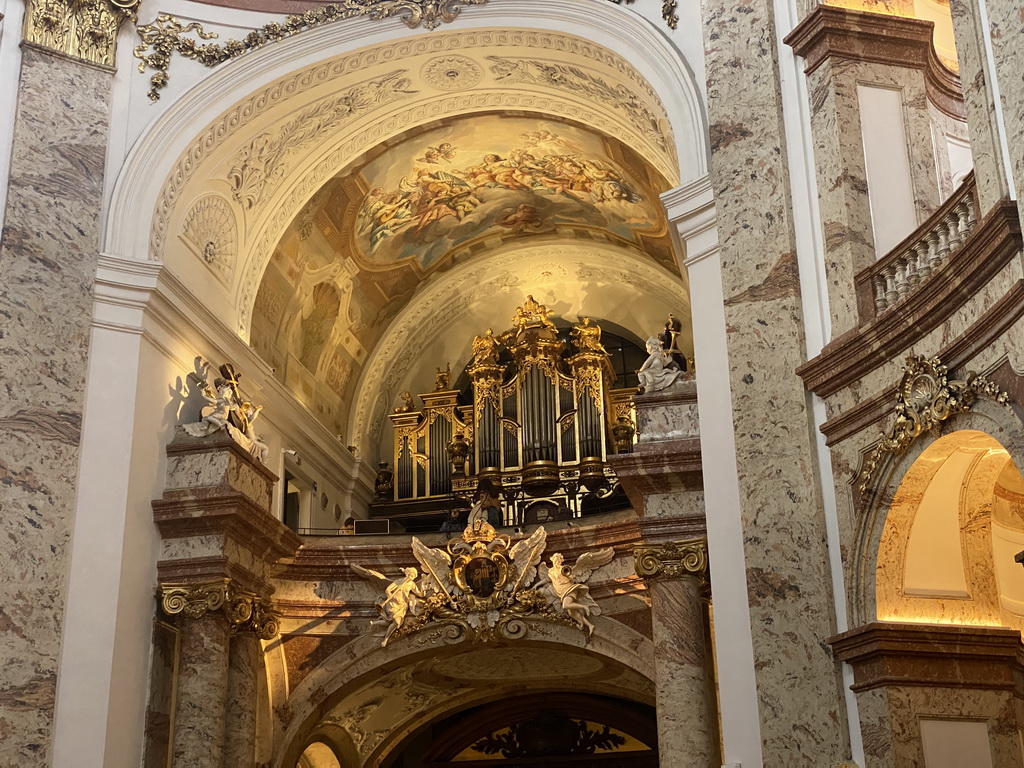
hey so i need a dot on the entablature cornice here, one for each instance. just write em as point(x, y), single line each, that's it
point(829, 32)
point(884, 654)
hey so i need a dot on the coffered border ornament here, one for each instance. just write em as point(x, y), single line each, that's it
point(82, 29)
point(672, 560)
point(926, 398)
point(245, 611)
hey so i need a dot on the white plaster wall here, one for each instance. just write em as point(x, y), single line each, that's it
point(890, 189)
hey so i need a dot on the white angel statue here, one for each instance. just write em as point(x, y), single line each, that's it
point(401, 598)
point(658, 371)
point(564, 588)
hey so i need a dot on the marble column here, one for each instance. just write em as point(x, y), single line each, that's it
point(778, 508)
point(201, 700)
point(676, 575)
point(220, 550)
point(243, 680)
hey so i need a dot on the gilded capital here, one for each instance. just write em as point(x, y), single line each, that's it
point(83, 29)
point(245, 611)
point(672, 560)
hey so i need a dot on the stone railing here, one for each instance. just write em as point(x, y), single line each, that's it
point(897, 274)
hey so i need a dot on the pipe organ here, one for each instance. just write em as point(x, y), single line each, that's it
point(542, 419)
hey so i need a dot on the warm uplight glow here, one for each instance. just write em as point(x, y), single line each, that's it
point(940, 621)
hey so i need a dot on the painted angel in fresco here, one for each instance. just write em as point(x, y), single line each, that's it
point(401, 598)
point(444, 151)
point(564, 589)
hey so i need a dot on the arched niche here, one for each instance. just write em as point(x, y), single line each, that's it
point(939, 525)
point(318, 755)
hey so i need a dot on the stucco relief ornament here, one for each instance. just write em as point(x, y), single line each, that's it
point(167, 35)
point(485, 588)
point(227, 410)
point(926, 397)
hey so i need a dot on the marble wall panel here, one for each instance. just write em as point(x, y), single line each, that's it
point(841, 172)
point(784, 532)
point(892, 720)
point(48, 256)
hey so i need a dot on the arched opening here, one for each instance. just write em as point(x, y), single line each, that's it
point(947, 550)
point(318, 755)
point(536, 729)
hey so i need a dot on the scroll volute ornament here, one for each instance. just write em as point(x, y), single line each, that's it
point(672, 560)
point(83, 29)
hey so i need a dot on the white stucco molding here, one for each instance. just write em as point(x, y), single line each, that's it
point(693, 222)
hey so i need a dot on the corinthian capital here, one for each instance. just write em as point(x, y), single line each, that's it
point(83, 29)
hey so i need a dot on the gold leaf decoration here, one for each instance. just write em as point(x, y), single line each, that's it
point(167, 35)
point(925, 399)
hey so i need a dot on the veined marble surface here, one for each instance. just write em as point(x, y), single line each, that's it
point(48, 256)
point(786, 558)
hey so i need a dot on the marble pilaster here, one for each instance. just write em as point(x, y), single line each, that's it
point(48, 257)
point(201, 706)
point(844, 50)
point(676, 576)
point(779, 507)
point(979, 105)
point(1006, 28)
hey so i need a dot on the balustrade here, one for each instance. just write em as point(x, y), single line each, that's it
point(895, 276)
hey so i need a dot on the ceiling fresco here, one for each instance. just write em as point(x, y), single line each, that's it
point(490, 175)
point(414, 208)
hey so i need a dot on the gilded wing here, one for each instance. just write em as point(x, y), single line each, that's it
point(378, 578)
point(437, 566)
point(590, 562)
point(525, 556)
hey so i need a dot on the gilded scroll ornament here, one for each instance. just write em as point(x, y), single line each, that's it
point(672, 560)
point(926, 397)
point(84, 29)
point(245, 611)
point(668, 11)
point(167, 35)
point(482, 586)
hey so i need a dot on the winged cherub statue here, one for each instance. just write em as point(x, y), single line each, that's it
point(401, 598)
point(564, 589)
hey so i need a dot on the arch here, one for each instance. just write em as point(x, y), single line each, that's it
point(168, 152)
point(348, 681)
point(899, 485)
point(498, 283)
